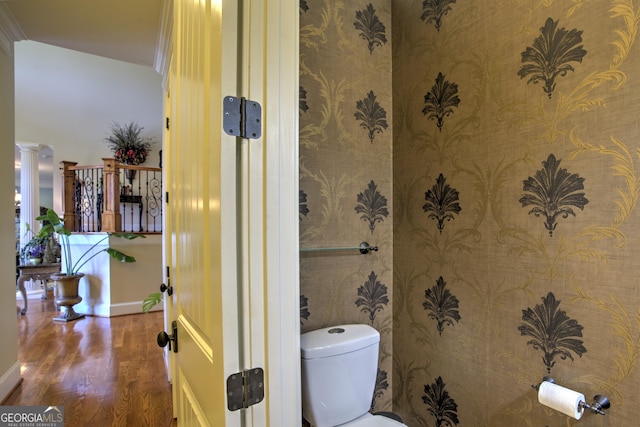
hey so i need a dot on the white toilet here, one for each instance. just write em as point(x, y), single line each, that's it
point(339, 368)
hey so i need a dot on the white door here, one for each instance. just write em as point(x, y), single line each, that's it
point(232, 210)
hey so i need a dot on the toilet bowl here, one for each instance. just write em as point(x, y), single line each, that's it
point(339, 369)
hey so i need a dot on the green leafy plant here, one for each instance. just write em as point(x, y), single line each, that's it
point(149, 302)
point(38, 246)
point(34, 247)
point(70, 268)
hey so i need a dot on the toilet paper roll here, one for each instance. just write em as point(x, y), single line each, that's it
point(561, 399)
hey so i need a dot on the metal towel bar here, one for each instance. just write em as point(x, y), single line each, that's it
point(364, 248)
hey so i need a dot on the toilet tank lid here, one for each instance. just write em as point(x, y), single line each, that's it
point(336, 340)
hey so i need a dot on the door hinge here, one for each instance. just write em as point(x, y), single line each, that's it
point(242, 117)
point(167, 123)
point(245, 388)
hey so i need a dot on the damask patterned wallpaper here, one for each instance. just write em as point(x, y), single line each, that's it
point(516, 182)
point(346, 171)
point(498, 171)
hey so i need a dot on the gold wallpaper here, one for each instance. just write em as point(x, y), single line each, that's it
point(346, 171)
point(498, 171)
point(516, 179)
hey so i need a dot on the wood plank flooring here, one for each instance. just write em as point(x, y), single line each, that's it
point(103, 371)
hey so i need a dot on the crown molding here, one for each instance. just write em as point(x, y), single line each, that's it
point(10, 30)
point(164, 45)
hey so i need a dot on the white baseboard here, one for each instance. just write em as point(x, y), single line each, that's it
point(31, 294)
point(134, 307)
point(100, 310)
point(9, 381)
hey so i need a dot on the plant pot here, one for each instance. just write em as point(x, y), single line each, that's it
point(66, 291)
point(35, 261)
point(130, 174)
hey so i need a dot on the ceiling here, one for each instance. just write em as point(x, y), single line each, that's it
point(123, 30)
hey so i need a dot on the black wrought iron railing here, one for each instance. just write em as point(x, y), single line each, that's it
point(112, 197)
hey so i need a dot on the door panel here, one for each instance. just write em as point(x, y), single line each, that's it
point(167, 247)
point(203, 220)
point(233, 210)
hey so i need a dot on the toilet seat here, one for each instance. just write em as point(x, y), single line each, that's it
point(369, 420)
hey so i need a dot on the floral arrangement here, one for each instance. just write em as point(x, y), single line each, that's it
point(36, 251)
point(44, 246)
point(127, 145)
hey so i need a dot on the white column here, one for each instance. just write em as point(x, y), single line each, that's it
point(29, 190)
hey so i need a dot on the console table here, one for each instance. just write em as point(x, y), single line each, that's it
point(35, 272)
point(137, 200)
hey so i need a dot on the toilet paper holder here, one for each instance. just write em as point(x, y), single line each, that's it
point(600, 402)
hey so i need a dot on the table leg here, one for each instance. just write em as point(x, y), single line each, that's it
point(45, 284)
point(140, 215)
point(24, 294)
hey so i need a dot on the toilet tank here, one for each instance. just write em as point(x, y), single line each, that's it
point(339, 369)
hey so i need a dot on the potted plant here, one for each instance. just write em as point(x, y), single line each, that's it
point(42, 248)
point(33, 250)
point(36, 253)
point(128, 146)
point(68, 279)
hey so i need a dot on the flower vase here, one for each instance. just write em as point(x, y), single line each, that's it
point(66, 292)
point(35, 261)
point(130, 174)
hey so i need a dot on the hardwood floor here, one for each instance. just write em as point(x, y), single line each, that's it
point(103, 371)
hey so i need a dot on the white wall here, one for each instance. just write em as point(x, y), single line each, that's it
point(68, 100)
point(9, 366)
point(113, 288)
